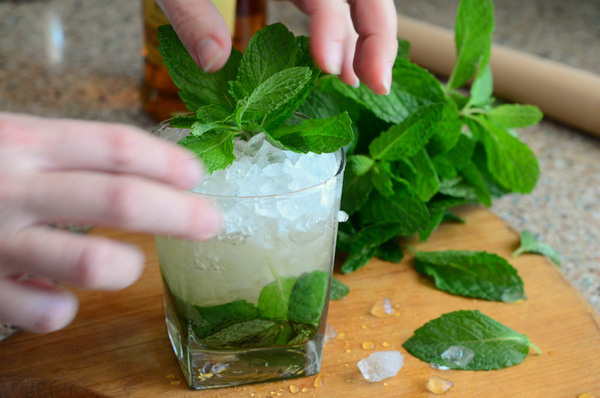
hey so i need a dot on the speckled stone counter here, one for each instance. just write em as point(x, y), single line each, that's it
point(82, 59)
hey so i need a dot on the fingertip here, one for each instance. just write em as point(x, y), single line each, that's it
point(56, 311)
point(211, 54)
point(207, 220)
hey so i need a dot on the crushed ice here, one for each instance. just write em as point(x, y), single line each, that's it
point(261, 170)
point(381, 365)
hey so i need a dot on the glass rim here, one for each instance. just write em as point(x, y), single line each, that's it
point(342, 160)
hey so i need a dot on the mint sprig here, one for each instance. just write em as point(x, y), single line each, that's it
point(430, 146)
point(256, 92)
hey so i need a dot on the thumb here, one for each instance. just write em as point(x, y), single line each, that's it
point(202, 30)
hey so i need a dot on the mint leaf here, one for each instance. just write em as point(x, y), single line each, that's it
point(315, 135)
point(274, 299)
point(390, 251)
point(447, 132)
point(365, 244)
point(215, 148)
point(338, 290)
point(252, 333)
point(473, 38)
point(412, 88)
point(209, 320)
point(274, 92)
point(471, 273)
point(420, 172)
point(530, 244)
point(404, 208)
point(357, 183)
point(483, 87)
point(494, 345)
point(271, 50)
point(383, 177)
point(283, 113)
point(198, 87)
point(515, 115)
point(409, 137)
point(473, 176)
point(510, 161)
point(308, 298)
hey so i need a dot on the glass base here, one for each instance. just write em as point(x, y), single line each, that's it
point(209, 368)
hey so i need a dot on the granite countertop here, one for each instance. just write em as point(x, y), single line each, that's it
point(80, 59)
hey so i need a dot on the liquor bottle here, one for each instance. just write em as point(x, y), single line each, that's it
point(158, 93)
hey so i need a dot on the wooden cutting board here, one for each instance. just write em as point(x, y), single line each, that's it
point(118, 347)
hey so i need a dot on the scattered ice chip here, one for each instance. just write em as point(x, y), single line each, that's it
point(381, 365)
point(437, 366)
point(458, 355)
point(438, 386)
point(382, 308)
point(343, 216)
point(330, 333)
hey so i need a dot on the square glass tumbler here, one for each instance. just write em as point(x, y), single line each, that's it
point(250, 305)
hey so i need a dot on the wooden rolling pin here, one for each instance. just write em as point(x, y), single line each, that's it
point(563, 93)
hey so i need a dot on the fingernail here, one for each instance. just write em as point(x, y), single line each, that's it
point(387, 79)
point(334, 59)
point(356, 84)
point(208, 52)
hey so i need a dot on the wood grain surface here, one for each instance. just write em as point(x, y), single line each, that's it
point(118, 346)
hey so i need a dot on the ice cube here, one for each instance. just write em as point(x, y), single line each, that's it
point(381, 365)
point(382, 308)
point(458, 355)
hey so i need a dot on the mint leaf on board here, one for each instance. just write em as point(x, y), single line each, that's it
point(493, 345)
point(338, 290)
point(308, 298)
point(530, 244)
point(473, 38)
point(472, 274)
point(274, 299)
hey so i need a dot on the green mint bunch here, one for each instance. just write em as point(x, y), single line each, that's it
point(429, 146)
point(259, 91)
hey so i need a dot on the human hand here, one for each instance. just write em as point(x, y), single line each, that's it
point(355, 40)
point(86, 173)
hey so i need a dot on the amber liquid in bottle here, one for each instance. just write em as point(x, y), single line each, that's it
point(158, 93)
